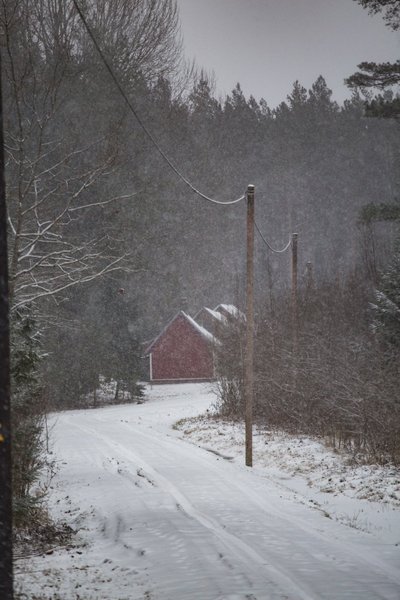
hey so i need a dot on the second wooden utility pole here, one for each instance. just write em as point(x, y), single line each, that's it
point(249, 355)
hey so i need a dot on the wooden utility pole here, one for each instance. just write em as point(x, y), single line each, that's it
point(249, 355)
point(294, 292)
point(6, 574)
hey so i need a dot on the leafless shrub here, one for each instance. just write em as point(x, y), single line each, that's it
point(332, 381)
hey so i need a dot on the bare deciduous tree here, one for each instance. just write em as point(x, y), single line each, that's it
point(58, 167)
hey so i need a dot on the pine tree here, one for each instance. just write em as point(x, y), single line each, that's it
point(386, 308)
point(121, 350)
point(389, 8)
point(380, 75)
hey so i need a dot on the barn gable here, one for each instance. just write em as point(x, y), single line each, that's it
point(183, 351)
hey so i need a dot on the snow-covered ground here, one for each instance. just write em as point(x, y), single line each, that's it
point(171, 513)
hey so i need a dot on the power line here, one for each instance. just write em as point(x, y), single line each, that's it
point(133, 111)
point(269, 245)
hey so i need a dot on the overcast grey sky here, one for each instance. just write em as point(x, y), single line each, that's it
point(267, 44)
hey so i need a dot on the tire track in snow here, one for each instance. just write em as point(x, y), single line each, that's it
point(268, 508)
point(231, 541)
point(237, 579)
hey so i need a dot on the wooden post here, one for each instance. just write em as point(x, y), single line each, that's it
point(249, 355)
point(6, 572)
point(294, 292)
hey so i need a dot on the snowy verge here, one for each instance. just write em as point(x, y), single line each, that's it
point(365, 497)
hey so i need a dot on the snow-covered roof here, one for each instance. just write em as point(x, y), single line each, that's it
point(209, 336)
point(203, 332)
point(231, 309)
point(214, 314)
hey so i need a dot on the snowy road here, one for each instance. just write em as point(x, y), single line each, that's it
point(167, 520)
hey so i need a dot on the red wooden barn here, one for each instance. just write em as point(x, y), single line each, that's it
point(182, 352)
